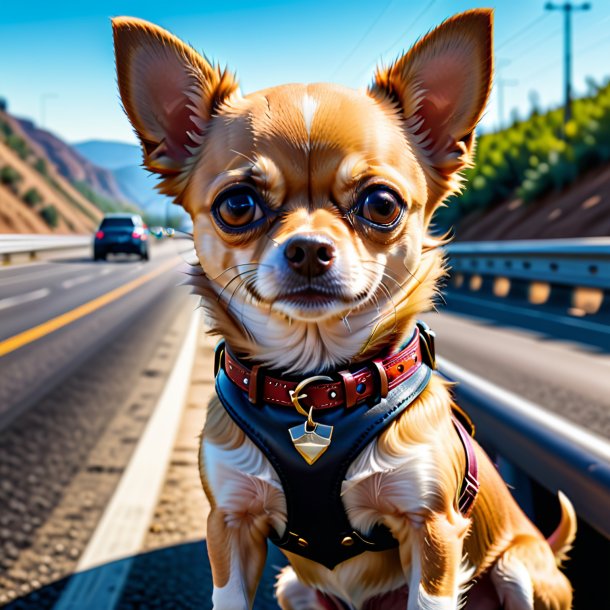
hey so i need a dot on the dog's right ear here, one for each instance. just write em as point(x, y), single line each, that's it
point(169, 92)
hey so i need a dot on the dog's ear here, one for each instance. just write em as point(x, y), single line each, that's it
point(442, 85)
point(169, 92)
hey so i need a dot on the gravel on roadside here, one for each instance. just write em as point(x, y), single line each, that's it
point(61, 461)
point(173, 572)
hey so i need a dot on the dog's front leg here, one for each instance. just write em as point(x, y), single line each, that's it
point(431, 555)
point(237, 548)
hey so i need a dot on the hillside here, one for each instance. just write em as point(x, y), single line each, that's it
point(580, 210)
point(72, 165)
point(34, 195)
point(538, 178)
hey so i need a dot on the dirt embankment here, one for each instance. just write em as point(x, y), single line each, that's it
point(581, 210)
point(34, 196)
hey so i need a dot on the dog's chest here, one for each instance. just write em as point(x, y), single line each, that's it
point(377, 490)
point(318, 526)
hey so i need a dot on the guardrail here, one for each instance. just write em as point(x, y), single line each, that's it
point(536, 450)
point(555, 452)
point(558, 286)
point(572, 262)
point(11, 245)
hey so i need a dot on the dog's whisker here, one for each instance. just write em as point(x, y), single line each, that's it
point(237, 277)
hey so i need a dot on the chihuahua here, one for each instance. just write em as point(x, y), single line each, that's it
point(311, 206)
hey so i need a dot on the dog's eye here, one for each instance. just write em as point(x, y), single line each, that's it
point(381, 206)
point(238, 207)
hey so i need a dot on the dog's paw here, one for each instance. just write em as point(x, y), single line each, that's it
point(293, 595)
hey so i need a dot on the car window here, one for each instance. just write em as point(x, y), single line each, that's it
point(116, 222)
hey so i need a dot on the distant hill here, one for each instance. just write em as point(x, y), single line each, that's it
point(46, 187)
point(108, 154)
point(73, 165)
point(125, 162)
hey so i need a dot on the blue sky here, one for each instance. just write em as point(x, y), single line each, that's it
point(56, 58)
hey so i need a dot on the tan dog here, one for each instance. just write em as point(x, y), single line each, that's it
point(311, 205)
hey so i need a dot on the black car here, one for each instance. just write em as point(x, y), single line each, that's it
point(125, 233)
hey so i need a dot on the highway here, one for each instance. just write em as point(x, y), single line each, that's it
point(55, 314)
point(85, 352)
point(86, 349)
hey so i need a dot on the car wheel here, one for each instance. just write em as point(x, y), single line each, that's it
point(99, 256)
point(144, 255)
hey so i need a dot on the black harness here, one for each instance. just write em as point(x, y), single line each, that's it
point(317, 526)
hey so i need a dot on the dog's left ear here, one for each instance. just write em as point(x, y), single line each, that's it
point(169, 92)
point(442, 85)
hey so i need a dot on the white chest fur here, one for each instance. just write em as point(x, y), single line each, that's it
point(379, 488)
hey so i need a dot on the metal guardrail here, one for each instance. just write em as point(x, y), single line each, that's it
point(571, 262)
point(11, 245)
point(556, 453)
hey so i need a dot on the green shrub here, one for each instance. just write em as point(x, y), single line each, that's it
point(9, 175)
point(5, 129)
point(535, 156)
point(40, 166)
point(19, 145)
point(32, 197)
point(50, 215)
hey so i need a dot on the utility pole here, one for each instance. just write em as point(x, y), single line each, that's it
point(44, 97)
point(568, 8)
point(500, 84)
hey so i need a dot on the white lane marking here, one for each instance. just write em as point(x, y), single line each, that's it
point(123, 526)
point(136, 268)
point(41, 293)
point(106, 271)
point(529, 411)
point(33, 276)
point(76, 281)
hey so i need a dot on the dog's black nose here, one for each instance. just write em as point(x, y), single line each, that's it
point(310, 255)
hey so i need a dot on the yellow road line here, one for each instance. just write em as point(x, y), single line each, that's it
point(32, 334)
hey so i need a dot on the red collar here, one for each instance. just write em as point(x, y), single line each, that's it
point(373, 380)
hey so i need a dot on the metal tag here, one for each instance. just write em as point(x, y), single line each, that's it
point(311, 444)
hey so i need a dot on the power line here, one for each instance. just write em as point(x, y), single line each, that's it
point(593, 45)
point(522, 31)
point(540, 70)
point(403, 36)
point(540, 41)
point(368, 31)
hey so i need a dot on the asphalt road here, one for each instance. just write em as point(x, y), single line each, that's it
point(86, 392)
point(567, 378)
point(74, 400)
point(55, 314)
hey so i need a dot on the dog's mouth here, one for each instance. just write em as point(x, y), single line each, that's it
point(315, 301)
point(308, 297)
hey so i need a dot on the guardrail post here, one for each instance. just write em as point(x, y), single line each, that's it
point(604, 308)
point(561, 296)
point(519, 290)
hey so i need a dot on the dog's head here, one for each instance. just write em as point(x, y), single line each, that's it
point(310, 203)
